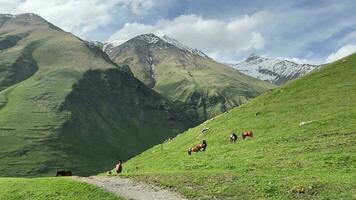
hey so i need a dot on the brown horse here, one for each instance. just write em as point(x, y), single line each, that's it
point(247, 134)
point(197, 148)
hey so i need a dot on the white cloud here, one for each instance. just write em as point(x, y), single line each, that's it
point(342, 52)
point(129, 31)
point(212, 36)
point(296, 60)
point(77, 16)
point(7, 5)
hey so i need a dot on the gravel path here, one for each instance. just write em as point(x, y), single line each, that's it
point(130, 189)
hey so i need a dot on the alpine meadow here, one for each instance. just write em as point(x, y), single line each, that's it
point(286, 159)
point(177, 100)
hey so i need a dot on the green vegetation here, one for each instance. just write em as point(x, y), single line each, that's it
point(198, 85)
point(50, 188)
point(64, 105)
point(284, 160)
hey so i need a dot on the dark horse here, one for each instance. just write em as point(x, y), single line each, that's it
point(118, 167)
point(233, 138)
point(64, 173)
point(247, 134)
point(197, 148)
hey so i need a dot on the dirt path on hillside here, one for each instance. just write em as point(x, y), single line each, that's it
point(130, 189)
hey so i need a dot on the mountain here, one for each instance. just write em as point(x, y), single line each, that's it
point(303, 145)
point(187, 77)
point(64, 105)
point(274, 70)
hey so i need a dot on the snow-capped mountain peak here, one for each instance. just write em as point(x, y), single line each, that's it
point(277, 71)
point(154, 39)
point(253, 56)
point(149, 38)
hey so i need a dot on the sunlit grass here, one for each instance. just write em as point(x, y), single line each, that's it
point(284, 160)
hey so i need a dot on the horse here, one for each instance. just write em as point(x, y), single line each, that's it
point(233, 138)
point(204, 145)
point(118, 167)
point(197, 148)
point(247, 134)
point(64, 173)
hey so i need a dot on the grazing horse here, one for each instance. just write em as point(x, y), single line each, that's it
point(204, 145)
point(233, 138)
point(247, 134)
point(199, 147)
point(64, 173)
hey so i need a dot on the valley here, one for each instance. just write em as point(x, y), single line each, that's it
point(140, 100)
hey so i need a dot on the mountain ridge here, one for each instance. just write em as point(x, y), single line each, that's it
point(186, 76)
point(274, 70)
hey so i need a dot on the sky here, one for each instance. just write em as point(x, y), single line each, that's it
point(304, 31)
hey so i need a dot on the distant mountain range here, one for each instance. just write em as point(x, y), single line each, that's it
point(274, 70)
point(187, 77)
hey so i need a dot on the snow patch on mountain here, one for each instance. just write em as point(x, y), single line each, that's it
point(149, 38)
point(274, 70)
point(10, 15)
point(183, 47)
point(107, 46)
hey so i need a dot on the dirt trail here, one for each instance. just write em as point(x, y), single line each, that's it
point(130, 189)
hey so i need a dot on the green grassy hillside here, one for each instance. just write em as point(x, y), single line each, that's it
point(50, 188)
point(284, 160)
point(199, 85)
point(66, 105)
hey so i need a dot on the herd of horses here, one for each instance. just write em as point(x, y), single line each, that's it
point(197, 148)
point(233, 139)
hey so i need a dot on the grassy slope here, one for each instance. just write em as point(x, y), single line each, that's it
point(69, 103)
point(283, 160)
point(50, 188)
point(200, 86)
